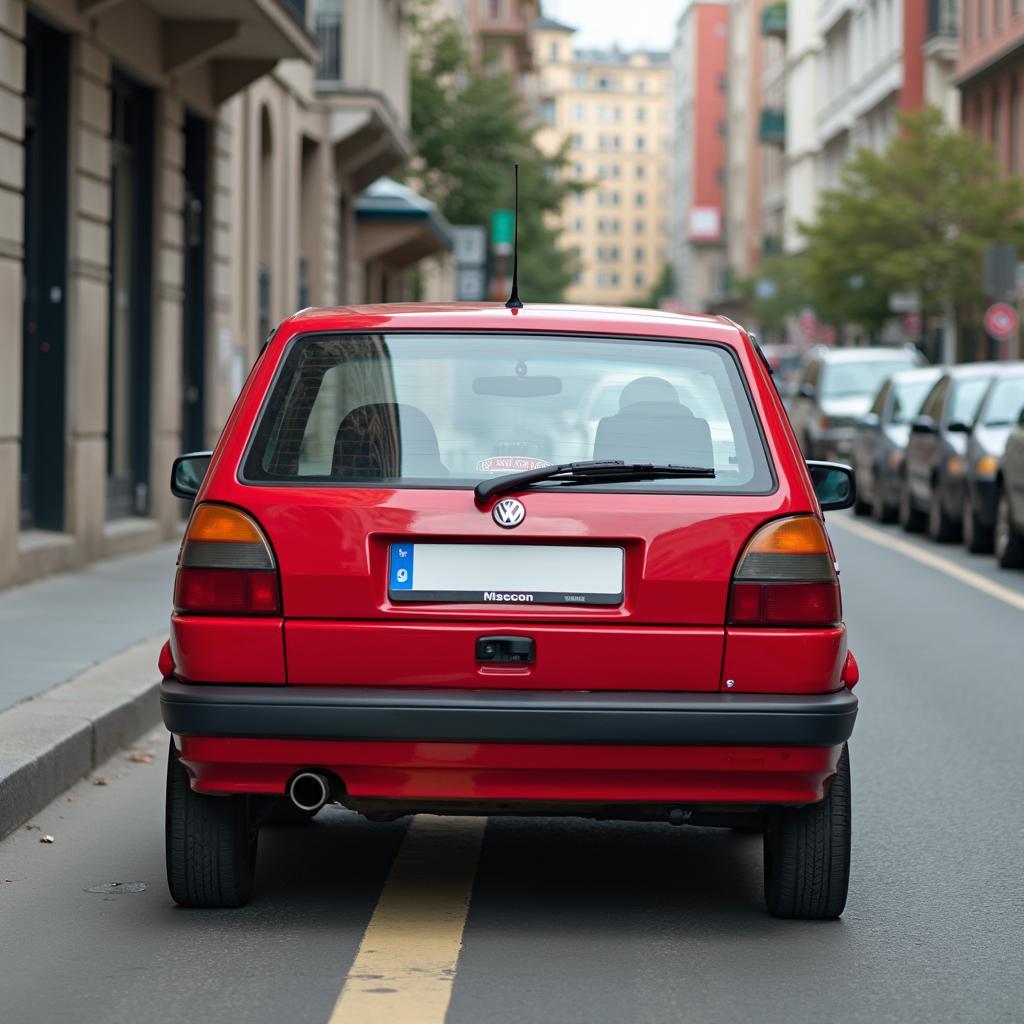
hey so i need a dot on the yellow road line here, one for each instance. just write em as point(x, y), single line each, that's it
point(944, 565)
point(405, 967)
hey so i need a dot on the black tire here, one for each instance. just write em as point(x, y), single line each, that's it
point(861, 507)
point(978, 539)
point(941, 528)
point(910, 518)
point(1009, 541)
point(807, 854)
point(210, 844)
point(883, 512)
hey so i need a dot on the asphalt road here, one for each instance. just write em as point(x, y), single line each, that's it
point(571, 921)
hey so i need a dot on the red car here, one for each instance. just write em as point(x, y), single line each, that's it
point(552, 561)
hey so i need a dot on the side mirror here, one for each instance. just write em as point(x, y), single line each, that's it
point(1020, 418)
point(187, 474)
point(870, 419)
point(834, 485)
point(806, 391)
point(958, 427)
point(923, 425)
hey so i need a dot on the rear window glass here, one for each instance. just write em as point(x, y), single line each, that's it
point(910, 395)
point(967, 396)
point(450, 410)
point(1005, 403)
point(859, 377)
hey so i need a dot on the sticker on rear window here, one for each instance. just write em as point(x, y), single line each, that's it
point(509, 464)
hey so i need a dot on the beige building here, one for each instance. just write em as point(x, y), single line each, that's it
point(615, 110)
point(175, 178)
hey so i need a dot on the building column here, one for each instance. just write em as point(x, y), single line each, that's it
point(88, 296)
point(168, 300)
point(12, 119)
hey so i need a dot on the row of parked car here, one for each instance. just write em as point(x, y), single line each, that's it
point(937, 448)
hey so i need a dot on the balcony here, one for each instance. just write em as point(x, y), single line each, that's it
point(774, 21)
point(771, 129)
point(942, 30)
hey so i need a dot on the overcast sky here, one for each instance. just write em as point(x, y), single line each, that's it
point(633, 24)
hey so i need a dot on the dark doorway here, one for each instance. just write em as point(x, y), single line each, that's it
point(45, 282)
point(193, 424)
point(131, 259)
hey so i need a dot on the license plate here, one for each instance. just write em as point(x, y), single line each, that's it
point(514, 574)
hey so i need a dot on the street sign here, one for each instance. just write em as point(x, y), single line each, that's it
point(1001, 321)
point(470, 284)
point(470, 245)
point(503, 226)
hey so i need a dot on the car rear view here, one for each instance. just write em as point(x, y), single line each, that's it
point(466, 561)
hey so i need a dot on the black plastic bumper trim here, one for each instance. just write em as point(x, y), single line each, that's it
point(508, 716)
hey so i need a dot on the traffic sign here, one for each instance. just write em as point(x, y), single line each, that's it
point(503, 225)
point(1001, 321)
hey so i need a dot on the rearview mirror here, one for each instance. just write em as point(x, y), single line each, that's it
point(957, 427)
point(187, 474)
point(835, 485)
point(923, 425)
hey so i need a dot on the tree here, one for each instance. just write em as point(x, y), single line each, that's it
point(470, 126)
point(916, 217)
point(778, 291)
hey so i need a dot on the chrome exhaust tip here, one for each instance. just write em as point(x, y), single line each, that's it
point(309, 791)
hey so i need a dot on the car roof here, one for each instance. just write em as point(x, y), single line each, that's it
point(494, 316)
point(918, 373)
point(962, 370)
point(859, 355)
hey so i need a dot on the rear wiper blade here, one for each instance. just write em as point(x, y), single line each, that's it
point(600, 471)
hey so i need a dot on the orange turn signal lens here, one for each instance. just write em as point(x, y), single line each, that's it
point(802, 535)
point(987, 465)
point(794, 550)
point(223, 523)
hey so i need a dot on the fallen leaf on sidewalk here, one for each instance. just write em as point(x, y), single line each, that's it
point(99, 781)
point(140, 757)
point(70, 798)
point(31, 828)
point(46, 839)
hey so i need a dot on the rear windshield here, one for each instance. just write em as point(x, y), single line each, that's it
point(967, 396)
point(1006, 402)
point(909, 397)
point(436, 410)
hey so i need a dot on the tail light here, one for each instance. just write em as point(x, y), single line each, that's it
point(786, 577)
point(225, 566)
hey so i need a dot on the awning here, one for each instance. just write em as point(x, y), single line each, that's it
point(398, 226)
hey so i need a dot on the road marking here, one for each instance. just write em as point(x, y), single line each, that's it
point(973, 579)
point(405, 967)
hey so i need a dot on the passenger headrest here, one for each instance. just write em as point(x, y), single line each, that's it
point(386, 440)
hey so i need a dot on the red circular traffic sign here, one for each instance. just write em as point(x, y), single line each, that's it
point(1001, 321)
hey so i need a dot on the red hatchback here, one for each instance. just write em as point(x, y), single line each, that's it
point(472, 560)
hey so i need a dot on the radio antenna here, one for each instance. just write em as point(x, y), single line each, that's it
point(514, 302)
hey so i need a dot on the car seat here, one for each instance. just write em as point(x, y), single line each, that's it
point(386, 440)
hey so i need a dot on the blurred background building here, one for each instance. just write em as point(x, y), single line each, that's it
point(614, 108)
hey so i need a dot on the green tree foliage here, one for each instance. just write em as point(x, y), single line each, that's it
point(916, 217)
point(778, 291)
point(470, 126)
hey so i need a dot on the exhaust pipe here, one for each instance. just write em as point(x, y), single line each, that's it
point(309, 791)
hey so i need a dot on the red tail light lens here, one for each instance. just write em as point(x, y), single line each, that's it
point(226, 566)
point(786, 577)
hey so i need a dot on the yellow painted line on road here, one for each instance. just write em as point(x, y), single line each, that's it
point(405, 967)
point(973, 579)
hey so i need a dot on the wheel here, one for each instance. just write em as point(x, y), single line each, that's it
point(807, 854)
point(910, 518)
point(941, 528)
point(978, 539)
point(882, 511)
point(1009, 541)
point(210, 844)
point(861, 507)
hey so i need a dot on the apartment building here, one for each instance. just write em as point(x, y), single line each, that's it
point(803, 55)
point(700, 126)
point(615, 109)
point(502, 32)
point(990, 76)
point(171, 185)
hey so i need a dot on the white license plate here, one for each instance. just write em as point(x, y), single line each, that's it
point(506, 574)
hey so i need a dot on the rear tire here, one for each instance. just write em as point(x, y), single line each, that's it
point(210, 844)
point(978, 539)
point(807, 854)
point(941, 528)
point(861, 507)
point(1009, 541)
point(911, 520)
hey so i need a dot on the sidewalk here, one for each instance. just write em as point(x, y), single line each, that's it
point(78, 676)
point(53, 629)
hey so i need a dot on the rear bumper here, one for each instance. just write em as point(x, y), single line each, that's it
point(508, 716)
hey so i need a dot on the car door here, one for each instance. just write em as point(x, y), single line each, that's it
point(804, 403)
point(868, 441)
point(923, 449)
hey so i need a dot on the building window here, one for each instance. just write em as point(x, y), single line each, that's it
point(641, 144)
point(494, 9)
point(600, 225)
point(641, 170)
point(548, 111)
point(615, 225)
point(329, 40)
point(614, 279)
point(578, 225)
point(997, 16)
point(982, 4)
point(1014, 127)
point(638, 254)
point(638, 279)
point(580, 112)
point(578, 169)
point(639, 227)
point(553, 53)
point(640, 199)
point(616, 142)
point(577, 142)
point(641, 113)
point(602, 113)
point(616, 113)
point(603, 82)
point(641, 85)
point(996, 134)
point(582, 80)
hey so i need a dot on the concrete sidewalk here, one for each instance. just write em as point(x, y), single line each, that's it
point(78, 675)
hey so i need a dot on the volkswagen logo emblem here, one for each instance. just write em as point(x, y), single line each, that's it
point(508, 513)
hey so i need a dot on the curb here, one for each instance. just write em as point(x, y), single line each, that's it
point(49, 742)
